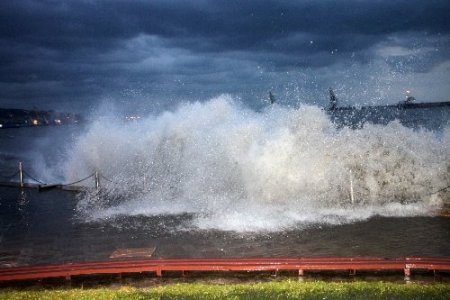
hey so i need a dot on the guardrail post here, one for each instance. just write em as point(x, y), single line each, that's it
point(407, 272)
point(436, 275)
point(21, 174)
point(301, 274)
point(158, 272)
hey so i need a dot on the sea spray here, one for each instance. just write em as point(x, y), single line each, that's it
point(236, 169)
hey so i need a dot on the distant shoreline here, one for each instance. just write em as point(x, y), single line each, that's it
point(19, 118)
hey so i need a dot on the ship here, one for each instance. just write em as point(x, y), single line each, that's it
point(410, 113)
point(429, 115)
point(408, 103)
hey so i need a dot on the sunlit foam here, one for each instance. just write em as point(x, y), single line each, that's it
point(236, 169)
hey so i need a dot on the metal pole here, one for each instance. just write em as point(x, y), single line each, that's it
point(97, 184)
point(97, 181)
point(21, 174)
point(352, 197)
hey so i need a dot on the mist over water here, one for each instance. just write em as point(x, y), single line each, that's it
point(232, 168)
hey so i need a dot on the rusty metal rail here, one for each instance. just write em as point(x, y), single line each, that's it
point(158, 266)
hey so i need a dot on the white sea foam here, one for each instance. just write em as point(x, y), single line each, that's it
point(237, 169)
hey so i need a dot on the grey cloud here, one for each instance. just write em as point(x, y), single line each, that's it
point(84, 50)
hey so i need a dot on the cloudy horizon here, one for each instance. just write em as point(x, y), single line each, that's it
point(154, 54)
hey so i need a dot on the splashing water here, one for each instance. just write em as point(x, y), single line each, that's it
point(237, 169)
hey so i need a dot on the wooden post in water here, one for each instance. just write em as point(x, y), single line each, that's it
point(21, 174)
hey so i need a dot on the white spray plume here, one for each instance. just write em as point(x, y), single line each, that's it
point(237, 169)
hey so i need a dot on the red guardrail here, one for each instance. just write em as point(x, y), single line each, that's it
point(158, 266)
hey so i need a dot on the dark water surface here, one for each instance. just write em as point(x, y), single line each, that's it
point(41, 228)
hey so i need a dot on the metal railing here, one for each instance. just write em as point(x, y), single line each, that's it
point(23, 174)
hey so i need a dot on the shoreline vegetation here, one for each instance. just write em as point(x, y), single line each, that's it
point(287, 289)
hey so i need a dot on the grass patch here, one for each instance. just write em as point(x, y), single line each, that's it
point(288, 289)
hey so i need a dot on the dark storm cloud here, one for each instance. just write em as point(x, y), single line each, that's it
point(73, 50)
point(214, 25)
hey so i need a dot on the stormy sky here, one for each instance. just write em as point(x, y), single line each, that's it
point(61, 54)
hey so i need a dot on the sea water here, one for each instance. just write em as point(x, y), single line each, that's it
point(217, 179)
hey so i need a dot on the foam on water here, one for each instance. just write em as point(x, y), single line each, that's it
point(236, 169)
